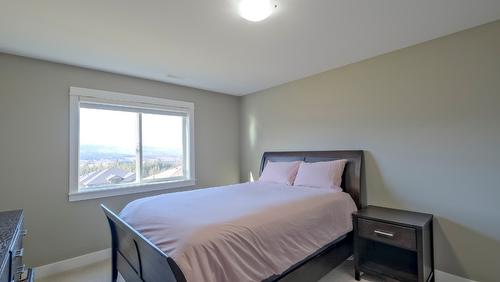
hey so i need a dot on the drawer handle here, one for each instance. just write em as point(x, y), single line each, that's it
point(21, 269)
point(383, 233)
point(25, 275)
point(19, 253)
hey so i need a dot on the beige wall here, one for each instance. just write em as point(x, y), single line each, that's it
point(428, 118)
point(34, 151)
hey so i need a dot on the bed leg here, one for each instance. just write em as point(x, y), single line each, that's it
point(114, 266)
point(357, 275)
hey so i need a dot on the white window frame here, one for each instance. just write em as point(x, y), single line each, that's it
point(77, 95)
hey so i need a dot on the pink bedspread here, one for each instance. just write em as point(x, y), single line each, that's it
point(243, 232)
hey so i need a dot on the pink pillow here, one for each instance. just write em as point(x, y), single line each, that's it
point(280, 172)
point(321, 174)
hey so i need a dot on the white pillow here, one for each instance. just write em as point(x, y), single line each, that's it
point(280, 172)
point(321, 174)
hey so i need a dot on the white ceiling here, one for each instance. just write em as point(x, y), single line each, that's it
point(205, 44)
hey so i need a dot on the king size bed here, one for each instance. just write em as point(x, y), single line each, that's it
point(245, 232)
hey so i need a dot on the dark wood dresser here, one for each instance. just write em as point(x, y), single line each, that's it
point(12, 268)
point(393, 243)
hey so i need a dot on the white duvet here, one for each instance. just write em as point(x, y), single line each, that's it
point(243, 232)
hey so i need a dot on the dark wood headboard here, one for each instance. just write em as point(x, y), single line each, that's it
point(352, 179)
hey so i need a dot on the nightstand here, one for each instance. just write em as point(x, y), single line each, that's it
point(393, 243)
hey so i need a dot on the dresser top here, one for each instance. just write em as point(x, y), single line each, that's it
point(9, 220)
point(414, 219)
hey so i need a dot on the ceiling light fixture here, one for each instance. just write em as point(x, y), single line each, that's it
point(255, 10)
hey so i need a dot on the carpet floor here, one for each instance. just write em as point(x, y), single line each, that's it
point(100, 272)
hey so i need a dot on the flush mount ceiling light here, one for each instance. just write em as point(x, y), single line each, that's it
point(255, 10)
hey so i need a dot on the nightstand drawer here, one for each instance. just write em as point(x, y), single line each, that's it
point(395, 235)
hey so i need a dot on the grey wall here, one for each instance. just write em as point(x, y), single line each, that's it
point(34, 151)
point(428, 117)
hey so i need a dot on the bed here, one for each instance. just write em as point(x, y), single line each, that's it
point(235, 233)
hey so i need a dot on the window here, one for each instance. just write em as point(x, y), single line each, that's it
point(122, 144)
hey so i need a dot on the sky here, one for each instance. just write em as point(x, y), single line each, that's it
point(119, 129)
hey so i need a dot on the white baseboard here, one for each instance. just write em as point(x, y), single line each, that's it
point(442, 276)
point(95, 257)
point(72, 263)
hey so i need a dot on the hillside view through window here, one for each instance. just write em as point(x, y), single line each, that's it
point(120, 148)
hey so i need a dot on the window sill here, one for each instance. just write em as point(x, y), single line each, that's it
point(133, 189)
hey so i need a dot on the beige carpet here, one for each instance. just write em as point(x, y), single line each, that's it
point(100, 272)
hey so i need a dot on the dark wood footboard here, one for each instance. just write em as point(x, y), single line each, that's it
point(135, 257)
